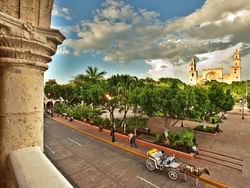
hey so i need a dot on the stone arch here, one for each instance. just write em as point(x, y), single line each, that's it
point(49, 105)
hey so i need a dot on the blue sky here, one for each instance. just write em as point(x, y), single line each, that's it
point(148, 38)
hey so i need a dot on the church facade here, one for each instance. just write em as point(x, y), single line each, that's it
point(216, 73)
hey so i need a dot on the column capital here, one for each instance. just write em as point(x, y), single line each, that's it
point(22, 43)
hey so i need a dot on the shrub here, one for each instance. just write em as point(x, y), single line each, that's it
point(84, 112)
point(214, 119)
point(95, 113)
point(118, 122)
point(184, 138)
point(158, 136)
point(106, 122)
point(60, 108)
point(187, 136)
point(136, 122)
point(98, 121)
point(81, 112)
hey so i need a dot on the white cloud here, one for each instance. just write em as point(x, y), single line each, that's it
point(119, 29)
point(61, 12)
point(62, 50)
point(219, 58)
point(162, 68)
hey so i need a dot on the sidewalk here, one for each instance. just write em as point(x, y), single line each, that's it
point(121, 140)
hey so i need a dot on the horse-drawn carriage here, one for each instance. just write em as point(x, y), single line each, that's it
point(158, 160)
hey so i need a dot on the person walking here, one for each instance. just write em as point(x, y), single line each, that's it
point(217, 128)
point(130, 135)
point(133, 141)
point(51, 113)
point(112, 133)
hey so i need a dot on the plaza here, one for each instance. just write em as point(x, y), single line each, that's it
point(143, 60)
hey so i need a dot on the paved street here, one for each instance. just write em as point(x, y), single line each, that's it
point(90, 163)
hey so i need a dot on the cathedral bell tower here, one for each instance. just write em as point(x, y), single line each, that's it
point(193, 73)
point(235, 69)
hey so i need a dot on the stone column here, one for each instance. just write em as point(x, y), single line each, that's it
point(25, 49)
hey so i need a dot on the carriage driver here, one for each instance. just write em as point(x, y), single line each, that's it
point(166, 160)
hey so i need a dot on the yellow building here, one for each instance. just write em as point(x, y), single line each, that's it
point(215, 73)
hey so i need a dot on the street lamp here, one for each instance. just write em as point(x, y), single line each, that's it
point(108, 97)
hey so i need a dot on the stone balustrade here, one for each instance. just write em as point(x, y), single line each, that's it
point(32, 169)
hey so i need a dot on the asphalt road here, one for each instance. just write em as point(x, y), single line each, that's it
point(89, 163)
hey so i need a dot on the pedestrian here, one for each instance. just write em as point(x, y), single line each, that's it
point(112, 133)
point(51, 113)
point(133, 141)
point(100, 128)
point(195, 149)
point(217, 128)
point(130, 135)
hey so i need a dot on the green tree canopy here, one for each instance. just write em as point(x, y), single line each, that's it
point(216, 97)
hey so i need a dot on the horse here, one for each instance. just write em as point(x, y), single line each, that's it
point(193, 170)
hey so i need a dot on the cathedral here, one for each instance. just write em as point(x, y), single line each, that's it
point(215, 73)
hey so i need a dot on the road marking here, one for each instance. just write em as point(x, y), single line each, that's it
point(49, 148)
point(147, 181)
point(74, 142)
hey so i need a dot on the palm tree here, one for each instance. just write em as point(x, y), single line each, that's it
point(92, 72)
point(125, 87)
point(79, 79)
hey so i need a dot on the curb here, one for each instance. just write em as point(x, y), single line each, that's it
point(142, 143)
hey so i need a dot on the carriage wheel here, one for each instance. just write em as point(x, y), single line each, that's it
point(150, 164)
point(173, 175)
